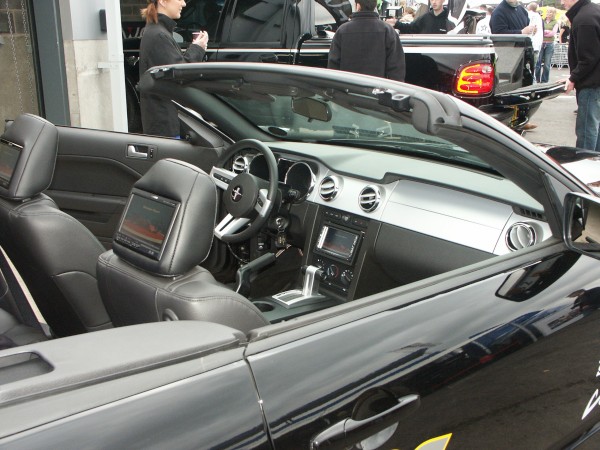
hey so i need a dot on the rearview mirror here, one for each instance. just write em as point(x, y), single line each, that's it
point(582, 224)
point(311, 108)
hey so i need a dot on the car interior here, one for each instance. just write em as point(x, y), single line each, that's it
point(299, 254)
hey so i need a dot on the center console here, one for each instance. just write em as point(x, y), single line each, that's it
point(328, 277)
point(335, 251)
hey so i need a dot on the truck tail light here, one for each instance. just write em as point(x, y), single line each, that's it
point(474, 80)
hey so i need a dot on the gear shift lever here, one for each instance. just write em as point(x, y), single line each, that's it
point(310, 289)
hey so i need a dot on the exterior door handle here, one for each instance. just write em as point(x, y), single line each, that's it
point(349, 431)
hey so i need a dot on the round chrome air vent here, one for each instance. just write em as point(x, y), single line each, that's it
point(329, 188)
point(369, 198)
point(520, 235)
point(240, 164)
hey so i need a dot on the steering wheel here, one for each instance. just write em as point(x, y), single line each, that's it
point(247, 199)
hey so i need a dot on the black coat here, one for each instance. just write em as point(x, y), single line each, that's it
point(368, 45)
point(427, 24)
point(508, 19)
point(158, 47)
point(584, 44)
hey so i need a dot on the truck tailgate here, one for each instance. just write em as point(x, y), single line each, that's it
point(530, 94)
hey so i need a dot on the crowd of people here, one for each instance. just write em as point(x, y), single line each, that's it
point(579, 27)
point(350, 51)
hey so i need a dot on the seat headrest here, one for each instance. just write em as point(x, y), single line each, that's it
point(190, 238)
point(35, 165)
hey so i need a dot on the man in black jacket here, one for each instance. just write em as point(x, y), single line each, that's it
point(510, 17)
point(584, 64)
point(368, 45)
point(434, 22)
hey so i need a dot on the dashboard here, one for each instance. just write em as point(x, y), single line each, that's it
point(470, 208)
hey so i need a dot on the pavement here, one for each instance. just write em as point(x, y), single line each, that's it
point(555, 119)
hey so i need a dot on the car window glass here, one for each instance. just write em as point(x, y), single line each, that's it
point(200, 15)
point(257, 21)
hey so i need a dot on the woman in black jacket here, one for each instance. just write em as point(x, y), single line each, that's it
point(158, 47)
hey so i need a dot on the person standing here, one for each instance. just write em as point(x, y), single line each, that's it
point(545, 58)
point(368, 45)
point(510, 17)
point(157, 48)
point(584, 64)
point(565, 29)
point(433, 22)
point(537, 38)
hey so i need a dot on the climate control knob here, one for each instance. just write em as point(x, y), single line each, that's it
point(347, 276)
point(333, 271)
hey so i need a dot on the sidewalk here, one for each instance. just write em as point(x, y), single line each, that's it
point(555, 118)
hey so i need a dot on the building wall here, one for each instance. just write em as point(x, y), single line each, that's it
point(86, 59)
point(18, 93)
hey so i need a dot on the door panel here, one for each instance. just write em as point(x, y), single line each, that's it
point(96, 169)
point(506, 362)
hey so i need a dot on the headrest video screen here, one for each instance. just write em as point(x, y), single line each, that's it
point(147, 223)
point(9, 154)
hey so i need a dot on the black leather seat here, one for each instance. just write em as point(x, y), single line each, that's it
point(137, 288)
point(13, 330)
point(13, 333)
point(54, 253)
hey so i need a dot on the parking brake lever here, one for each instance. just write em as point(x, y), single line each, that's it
point(242, 276)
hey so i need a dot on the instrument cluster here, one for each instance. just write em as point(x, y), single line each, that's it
point(296, 178)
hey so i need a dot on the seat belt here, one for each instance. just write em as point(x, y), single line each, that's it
point(23, 302)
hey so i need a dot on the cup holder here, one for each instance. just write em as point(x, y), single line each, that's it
point(264, 306)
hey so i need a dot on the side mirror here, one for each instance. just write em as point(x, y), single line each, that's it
point(582, 224)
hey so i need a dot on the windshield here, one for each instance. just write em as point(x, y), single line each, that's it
point(341, 117)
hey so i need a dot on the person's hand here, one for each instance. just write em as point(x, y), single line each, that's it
point(529, 29)
point(201, 39)
point(391, 20)
point(569, 86)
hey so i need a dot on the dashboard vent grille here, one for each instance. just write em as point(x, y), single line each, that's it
point(329, 188)
point(520, 235)
point(369, 198)
point(240, 164)
point(531, 214)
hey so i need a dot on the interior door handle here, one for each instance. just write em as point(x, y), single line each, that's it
point(140, 151)
point(349, 431)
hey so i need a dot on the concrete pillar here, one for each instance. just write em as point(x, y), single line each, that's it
point(18, 90)
point(94, 62)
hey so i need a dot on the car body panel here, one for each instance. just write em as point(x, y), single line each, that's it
point(420, 349)
point(145, 384)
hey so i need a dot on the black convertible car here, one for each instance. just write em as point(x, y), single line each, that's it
point(324, 260)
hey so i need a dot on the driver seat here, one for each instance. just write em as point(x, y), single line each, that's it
point(170, 284)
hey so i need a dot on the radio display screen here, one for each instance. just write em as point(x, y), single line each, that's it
point(337, 242)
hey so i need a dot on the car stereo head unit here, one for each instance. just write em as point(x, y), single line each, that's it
point(146, 223)
point(337, 242)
